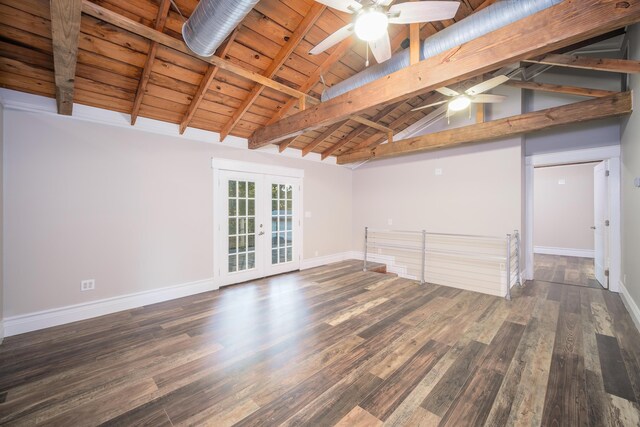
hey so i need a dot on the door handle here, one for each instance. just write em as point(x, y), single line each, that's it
point(593, 227)
point(261, 233)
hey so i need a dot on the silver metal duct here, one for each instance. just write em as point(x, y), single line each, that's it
point(496, 16)
point(212, 21)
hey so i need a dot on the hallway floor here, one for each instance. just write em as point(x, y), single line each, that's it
point(566, 270)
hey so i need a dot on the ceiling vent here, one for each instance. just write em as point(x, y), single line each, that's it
point(211, 23)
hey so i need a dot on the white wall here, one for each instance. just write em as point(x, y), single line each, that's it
point(563, 213)
point(131, 209)
point(631, 195)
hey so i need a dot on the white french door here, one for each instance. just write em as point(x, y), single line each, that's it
point(257, 225)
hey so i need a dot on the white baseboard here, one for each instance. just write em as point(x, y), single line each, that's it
point(59, 316)
point(549, 250)
point(324, 260)
point(631, 305)
point(1, 330)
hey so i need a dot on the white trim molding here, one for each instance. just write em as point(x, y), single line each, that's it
point(1, 330)
point(59, 316)
point(319, 261)
point(549, 250)
point(631, 305)
point(610, 154)
point(250, 167)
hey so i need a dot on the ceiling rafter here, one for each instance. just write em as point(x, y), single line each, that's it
point(161, 18)
point(65, 32)
point(320, 139)
point(588, 63)
point(423, 31)
point(377, 138)
point(142, 30)
point(615, 105)
point(569, 90)
point(285, 52)
point(567, 23)
point(314, 78)
point(205, 83)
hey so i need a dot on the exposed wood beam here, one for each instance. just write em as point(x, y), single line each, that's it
point(205, 83)
point(480, 117)
point(285, 52)
point(377, 138)
point(314, 78)
point(484, 4)
point(414, 43)
point(287, 142)
point(569, 90)
point(161, 18)
point(319, 140)
point(141, 30)
point(565, 24)
point(610, 106)
point(395, 44)
point(588, 63)
point(363, 128)
point(370, 124)
point(65, 31)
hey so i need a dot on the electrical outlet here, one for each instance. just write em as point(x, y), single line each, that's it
point(562, 182)
point(316, 253)
point(389, 221)
point(87, 285)
point(438, 171)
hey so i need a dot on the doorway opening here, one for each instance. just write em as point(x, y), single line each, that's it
point(572, 218)
point(569, 204)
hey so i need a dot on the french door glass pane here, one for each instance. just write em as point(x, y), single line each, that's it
point(242, 238)
point(281, 220)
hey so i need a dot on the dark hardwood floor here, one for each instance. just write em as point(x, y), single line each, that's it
point(565, 269)
point(335, 346)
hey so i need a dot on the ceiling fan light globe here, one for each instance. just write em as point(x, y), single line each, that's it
point(460, 103)
point(370, 25)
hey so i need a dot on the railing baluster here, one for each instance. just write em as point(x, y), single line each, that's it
point(366, 242)
point(508, 267)
point(424, 255)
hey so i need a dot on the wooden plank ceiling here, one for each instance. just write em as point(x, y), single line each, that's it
point(121, 71)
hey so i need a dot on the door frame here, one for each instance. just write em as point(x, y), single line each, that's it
point(221, 164)
point(611, 154)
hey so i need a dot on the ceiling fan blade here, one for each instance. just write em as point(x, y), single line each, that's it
point(348, 6)
point(430, 105)
point(485, 86)
point(447, 92)
point(422, 11)
point(381, 48)
point(384, 2)
point(333, 39)
point(487, 99)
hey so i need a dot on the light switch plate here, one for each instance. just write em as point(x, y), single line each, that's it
point(307, 214)
point(562, 182)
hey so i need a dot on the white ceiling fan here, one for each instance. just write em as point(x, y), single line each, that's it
point(371, 18)
point(473, 95)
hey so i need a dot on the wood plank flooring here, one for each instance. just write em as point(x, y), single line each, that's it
point(335, 346)
point(565, 269)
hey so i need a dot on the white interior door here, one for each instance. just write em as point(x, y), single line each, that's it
point(258, 227)
point(600, 216)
